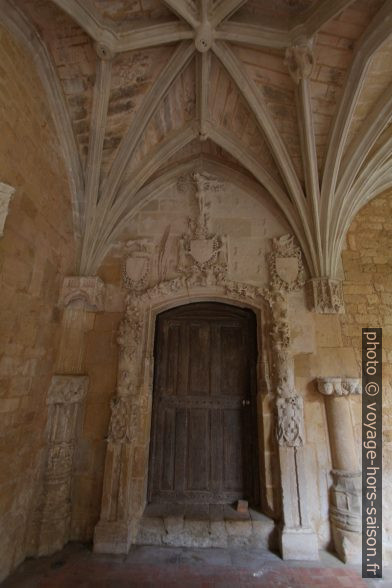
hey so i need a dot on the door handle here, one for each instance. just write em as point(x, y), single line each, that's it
point(245, 402)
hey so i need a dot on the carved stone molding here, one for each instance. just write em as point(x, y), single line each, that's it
point(339, 386)
point(300, 61)
point(65, 397)
point(345, 509)
point(120, 428)
point(280, 333)
point(285, 265)
point(67, 389)
point(6, 193)
point(325, 296)
point(83, 292)
point(290, 421)
point(137, 266)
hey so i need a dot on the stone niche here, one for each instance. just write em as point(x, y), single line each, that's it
point(206, 240)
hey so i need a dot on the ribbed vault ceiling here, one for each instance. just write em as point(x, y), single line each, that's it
point(295, 93)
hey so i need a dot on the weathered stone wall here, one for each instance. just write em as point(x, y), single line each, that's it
point(367, 265)
point(36, 251)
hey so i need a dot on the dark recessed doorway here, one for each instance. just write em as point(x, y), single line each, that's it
point(204, 446)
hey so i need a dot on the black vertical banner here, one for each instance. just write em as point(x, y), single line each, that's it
point(372, 453)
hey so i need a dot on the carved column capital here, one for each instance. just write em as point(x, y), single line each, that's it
point(6, 193)
point(336, 386)
point(67, 389)
point(325, 296)
point(299, 60)
point(83, 292)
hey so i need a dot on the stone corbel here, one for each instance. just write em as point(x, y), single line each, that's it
point(325, 296)
point(299, 59)
point(6, 193)
point(345, 507)
point(83, 292)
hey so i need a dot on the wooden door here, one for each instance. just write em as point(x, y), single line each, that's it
point(204, 430)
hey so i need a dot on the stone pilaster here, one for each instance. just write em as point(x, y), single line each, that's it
point(298, 541)
point(325, 296)
point(345, 507)
point(80, 298)
point(123, 496)
point(66, 394)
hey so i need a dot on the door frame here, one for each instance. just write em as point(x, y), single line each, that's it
point(127, 455)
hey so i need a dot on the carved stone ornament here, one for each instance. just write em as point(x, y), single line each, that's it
point(136, 268)
point(346, 500)
point(280, 332)
point(325, 296)
point(339, 386)
point(6, 193)
point(290, 421)
point(285, 265)
point(200, 250)
point(120, 430)
point(300, 61)
point(67, 389)
point(83, 292)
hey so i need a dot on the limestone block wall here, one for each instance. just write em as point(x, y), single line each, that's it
point(36, 251)
point(367, 265)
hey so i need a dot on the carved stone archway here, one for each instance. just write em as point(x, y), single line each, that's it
point(126, 466)
point(203, 276)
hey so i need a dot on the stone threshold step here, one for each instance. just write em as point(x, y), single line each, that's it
point(180, 530)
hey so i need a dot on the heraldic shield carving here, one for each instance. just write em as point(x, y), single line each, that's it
point(285, 264)
point(136, 268)
point(201, 249)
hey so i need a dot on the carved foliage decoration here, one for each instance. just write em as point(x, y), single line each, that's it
point(325, 296)
point(280, 333)
point(285, 265)
point(120, 430)
point(83, 292)
point(67, 389)
point(290, 421)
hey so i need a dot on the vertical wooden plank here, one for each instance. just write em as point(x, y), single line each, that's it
point(181, 450)
point(232, 450)
point(199, 358)
point(167, 442)
point(199, 454)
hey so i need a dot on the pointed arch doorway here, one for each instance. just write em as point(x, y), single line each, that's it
point(204, 444)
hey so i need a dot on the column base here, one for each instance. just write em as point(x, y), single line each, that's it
point(301, 544)
point(114, 537)
point(348, 545)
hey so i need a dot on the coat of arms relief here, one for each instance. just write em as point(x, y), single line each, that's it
point(200, 250)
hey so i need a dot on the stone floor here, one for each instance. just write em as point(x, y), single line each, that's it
point(173, 567)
